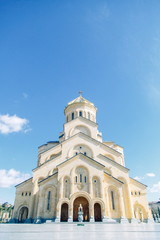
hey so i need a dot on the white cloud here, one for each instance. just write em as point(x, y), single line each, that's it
point(12, 177)
point(155, 188)
point(150, 175)
point(10, 124)
point(25, 95)
point(138, 178)
point(146, 175)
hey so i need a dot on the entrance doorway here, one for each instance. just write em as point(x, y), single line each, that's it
point(84, 202)
point(64, 212)
point(97, 212)
point(23, 215)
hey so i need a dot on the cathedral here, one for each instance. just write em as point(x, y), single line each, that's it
point(81, 170)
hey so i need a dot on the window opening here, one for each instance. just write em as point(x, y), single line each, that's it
point(80, 177)
point(49, 196)
point(85, 179)
point(72, 115)
point(80, 113)
point(113, 207)
point(76, 179)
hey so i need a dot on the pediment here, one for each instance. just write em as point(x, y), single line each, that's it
point(82, 157)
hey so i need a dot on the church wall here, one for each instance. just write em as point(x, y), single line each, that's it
point(139, 198)
point(23, 197)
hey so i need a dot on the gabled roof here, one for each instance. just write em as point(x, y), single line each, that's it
point(80, 154)
point(83, 134)
point(138, 182)
point(113, 177)
point(47, 177)
point(114, 163)
point(24, 182)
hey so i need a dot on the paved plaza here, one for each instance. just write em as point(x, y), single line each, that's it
point(72, 231)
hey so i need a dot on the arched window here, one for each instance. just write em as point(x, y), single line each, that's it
point(76, 179)
point(96, 187)
point(80, 177)
point(85, 153)
point(85, 179)
point(80, 113)
point(112, 198)
point(72, 115)
point(67, 119)
point(88, 115)
point(49, 197)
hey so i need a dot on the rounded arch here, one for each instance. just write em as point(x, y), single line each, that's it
point(140, 212)
point(64, 212)
point(66, 186)
point(48, 195)
point(81, 201)
point(100, 201)
point(80, 148)
point(114, 205)
point(81, 178)
point(97, 212)
point(22, 213)
point(80, 128)
point(80, 194)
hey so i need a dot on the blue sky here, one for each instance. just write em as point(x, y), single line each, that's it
point(49, 50)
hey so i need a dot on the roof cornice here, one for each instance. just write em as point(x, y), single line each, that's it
point(114, 177)
point(138, 182)
point(115, 163)
point(47, 178)
point(23, 182)
point(83, 118)
point(80, 154)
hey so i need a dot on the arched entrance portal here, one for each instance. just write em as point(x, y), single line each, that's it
point(83, 201)
point(64, 212)
point(97, 212)
point(23, 214)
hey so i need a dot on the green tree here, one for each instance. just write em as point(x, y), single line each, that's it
point(159, 212)
point(153, 214)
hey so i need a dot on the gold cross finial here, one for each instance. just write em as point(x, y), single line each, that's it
point(80, 92)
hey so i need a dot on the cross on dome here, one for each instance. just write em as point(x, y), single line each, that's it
point(80, 93)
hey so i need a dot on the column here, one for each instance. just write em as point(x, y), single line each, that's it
point(61, 188)
point(133, 219)
point(90, 187)
point(91, 212)
point(70, 218)
point(122, 209)
point(58, 213)
point(108, 213)
point(72, 186)
point(101, 189)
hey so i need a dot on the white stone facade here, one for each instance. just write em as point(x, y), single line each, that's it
point(81, 168)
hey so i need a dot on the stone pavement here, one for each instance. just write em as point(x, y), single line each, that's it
point(67, 231)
